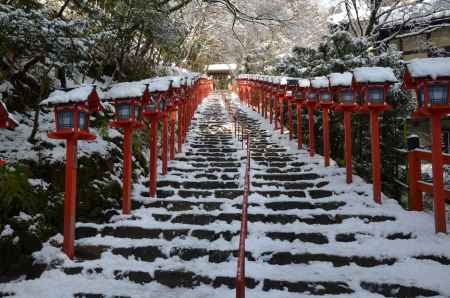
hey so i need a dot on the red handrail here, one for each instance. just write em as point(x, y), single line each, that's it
point(240, 275)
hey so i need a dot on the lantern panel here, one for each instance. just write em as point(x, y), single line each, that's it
point(162, 104)
point(152, 105)
point(375, 95)
point(137, 112)
point(65, 120)
point(299, 95)
point(325, 96)
point(123, 112)
point(82, 121)
point(438, 94)
point(346, 96)
point(421, 97)
point(312, 96)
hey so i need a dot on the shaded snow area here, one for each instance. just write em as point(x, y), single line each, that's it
point(16, 147)
point(310, 234)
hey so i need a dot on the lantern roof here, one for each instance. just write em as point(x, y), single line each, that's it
point(84, 94)
point(283, 80)
point(340, 79)
point(5, 114)
point(374, 75)
point(433, 68)
point(304, 83)
point(320, 82)
point(126, 90)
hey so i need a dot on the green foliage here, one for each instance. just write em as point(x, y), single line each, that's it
point(16, 192)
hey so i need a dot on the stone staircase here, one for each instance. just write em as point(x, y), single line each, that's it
point(309, 232)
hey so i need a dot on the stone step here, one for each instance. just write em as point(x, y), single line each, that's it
point(280, 206)
point(290, 185)
point(134, 232)
point(287, 177)
point(317, 219)
point(203, 170)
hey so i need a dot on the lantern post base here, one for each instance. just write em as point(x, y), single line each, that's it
point(326, 137)
point(70, 182)
point(311, 133)
point(348, 146)
point(438, 179)
point(127, 169)
point(153, 157)
point(376, 172)
point(299, 126)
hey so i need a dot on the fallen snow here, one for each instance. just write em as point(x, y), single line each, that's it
point(79, 94)
point(340, 79)
point(429, 67)
point(320, 82)
point(374, 75)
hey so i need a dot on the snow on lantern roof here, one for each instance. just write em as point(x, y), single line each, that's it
point(76, 95)
point(340, 79)
point(159, 85)
point(283, 80)
point(429, 68)
point(374, 75)
point(5, 110)
point(304, 83)
point(126, 90)
point(222, 67)
point(320, 82)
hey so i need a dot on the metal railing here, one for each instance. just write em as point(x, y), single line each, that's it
point(240, 274)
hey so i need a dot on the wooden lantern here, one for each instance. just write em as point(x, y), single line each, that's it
point(430, 79)
point(72, 110)
point(373, 84)
point(6, 119)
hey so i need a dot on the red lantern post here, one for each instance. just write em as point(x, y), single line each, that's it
point(72, 111)
point(128, 104)
point(291, 88)
point(300, 98)
point(154, 107)
point(311, 104)
point(430, 79)
point(373, 84)
point(281, 98)
point(322, 87)
point(341, 86)
point(6, 121)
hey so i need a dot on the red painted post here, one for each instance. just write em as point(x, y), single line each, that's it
point(348, 144)
point(127, 168)
point(180, 128)
point(291, 125)
point(299, 126)
point(376, 171)
point(164, 143)
point(172, 135)
point(415, 174)
point(282, 114)
point(70, 197)
point(271, 108)
point(326, 136)
point(311, 133)
point(438, 179)
point(153, 156)
point(276, 112)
